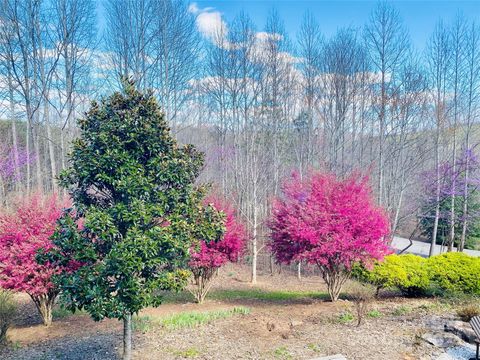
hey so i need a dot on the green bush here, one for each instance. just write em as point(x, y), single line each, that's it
point(408, 273)
point(450, 273)
point(455, 272)
point(7, 313)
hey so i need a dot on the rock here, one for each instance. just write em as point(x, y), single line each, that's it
point(462, 329)
point(441, 340)
point(465, 352)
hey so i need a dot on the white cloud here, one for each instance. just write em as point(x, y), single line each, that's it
point(209, 22)
point(265, 36)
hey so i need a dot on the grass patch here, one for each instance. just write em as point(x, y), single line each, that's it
point(187, 354)
point(274, 296)
point(170, 297)
point(193, 319)
point(374, 314)
point(187, 319)
point(282, 353)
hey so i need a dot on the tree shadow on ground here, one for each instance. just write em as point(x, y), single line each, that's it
point(104, 346)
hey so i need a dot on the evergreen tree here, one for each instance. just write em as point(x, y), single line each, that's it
point(137, 211)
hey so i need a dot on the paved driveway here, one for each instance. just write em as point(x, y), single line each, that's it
point(422, 248)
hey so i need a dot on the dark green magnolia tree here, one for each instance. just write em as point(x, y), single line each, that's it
point(136, 214)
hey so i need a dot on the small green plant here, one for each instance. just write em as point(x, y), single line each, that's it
point(16, 345)
point(314, 347)
point(402, 310)
point(282, 353)
point(362, 296)
point(345, 317)
point(466, 313)
point(188, 353)
point(374, 314)
point(8, 309)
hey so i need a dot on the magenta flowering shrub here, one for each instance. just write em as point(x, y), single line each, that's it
point(207, 257)
point(330, 222)
point(23, 232)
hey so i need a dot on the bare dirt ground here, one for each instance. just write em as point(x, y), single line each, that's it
point(276, 328)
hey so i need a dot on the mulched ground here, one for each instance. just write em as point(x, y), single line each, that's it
point(303, 328)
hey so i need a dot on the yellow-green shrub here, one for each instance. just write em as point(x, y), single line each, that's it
point(407, 272)
point(450, 273)
point(455, 272)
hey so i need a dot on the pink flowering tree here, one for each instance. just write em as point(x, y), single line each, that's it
point(24, 231)
point(329, 222)
point(207, 257)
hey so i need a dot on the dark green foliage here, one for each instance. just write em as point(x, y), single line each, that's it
point(443, 232)
point(136, 211)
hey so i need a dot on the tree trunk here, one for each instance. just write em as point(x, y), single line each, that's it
point(44, 304)
point(334, 280)
point(203, 281)
point(13, 119)
point(127, 337)
point(254, 241)
point(437, 188)
point(51, 152)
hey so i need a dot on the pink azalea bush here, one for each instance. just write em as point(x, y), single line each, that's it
point(207, 257)
point(330, 222)
point(23, 232)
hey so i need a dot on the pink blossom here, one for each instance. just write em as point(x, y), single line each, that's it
point(327, 221)
point(229, 248)
point(22, 234)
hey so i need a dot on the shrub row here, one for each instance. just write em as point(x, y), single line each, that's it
point(413, 275)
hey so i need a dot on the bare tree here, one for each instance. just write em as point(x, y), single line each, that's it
point(388, 44)
point(439, 59)
point(472, 97)
point(75, 33)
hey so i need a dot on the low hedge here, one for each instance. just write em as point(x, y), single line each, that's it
point(455, 272)
point(407, 273)
point(413, 275)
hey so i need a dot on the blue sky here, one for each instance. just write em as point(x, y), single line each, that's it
point(419, 16)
